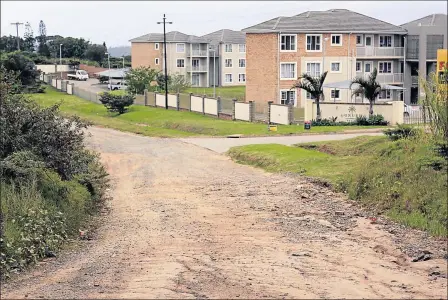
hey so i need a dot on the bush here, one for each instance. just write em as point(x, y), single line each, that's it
point(401, 132)
point(116, 103)
point(375, 120)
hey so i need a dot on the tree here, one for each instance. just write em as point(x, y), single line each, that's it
point(9, 43)
point(29, 40)
point(42, 47)
point(161, 80)
point(370, 88)
point(95, 52)
point(140, 78)
point(178, 83)
point(17, 62)
point(314, 86)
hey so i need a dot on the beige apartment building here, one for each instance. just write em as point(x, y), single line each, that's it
point(342, 42)
point(187, 55)
point(218, 58)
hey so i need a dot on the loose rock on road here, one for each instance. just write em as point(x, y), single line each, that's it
point(185, 222)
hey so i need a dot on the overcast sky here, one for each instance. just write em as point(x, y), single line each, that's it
point(117, 22)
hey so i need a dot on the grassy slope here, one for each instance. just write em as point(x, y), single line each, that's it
point(158, 122)
point(405, 179)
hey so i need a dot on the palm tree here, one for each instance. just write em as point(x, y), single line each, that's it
point(370, 88)
point(313, 85)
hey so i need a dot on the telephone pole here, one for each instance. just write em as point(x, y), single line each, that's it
point(17, 30)
point(164, 59)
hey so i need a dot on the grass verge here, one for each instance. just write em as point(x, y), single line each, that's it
point(158, 122)
point(231, 92)
point(405, 179)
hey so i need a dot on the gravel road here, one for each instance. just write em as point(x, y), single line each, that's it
point(185, 222)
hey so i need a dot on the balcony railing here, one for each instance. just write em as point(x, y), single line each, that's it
point(414, 80)
point(384, 77)
point(196, 69)
point(379, 51)
point(196, 52)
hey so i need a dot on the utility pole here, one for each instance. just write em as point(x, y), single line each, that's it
point(17, 30)
point(164, 59)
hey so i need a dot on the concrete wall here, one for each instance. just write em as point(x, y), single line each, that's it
point(279, 114)
point(172, 100)
point(70, 88)
point(242, 111)
point(211, 106)
point(348, 112)
point(196, 104)
point(160, 100)
point(50, 69)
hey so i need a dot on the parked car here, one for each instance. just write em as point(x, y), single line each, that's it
point(117, 86)
point(79, 75)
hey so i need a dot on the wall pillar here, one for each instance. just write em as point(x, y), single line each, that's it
point(218, 105)
point(145, 96)
point(251, 111)
point(290, 113)
point(269, 111)
point(309, 106)
point(233, 109)
point(191, 94)
point(177, 101)
point(203, 104)
point(398, 112)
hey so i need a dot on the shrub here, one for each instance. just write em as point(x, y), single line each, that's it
point(401, 132)
point(375, 120)
point(116, 103)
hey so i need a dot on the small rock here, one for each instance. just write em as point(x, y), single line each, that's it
point(339, 213)
point(96, 284)
point(434, 273)
point(301, 254)
point(422, 257)
point(305, 195)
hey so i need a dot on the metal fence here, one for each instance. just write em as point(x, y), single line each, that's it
point(416, 117)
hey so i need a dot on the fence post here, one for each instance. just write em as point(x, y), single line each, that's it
point(177, 101)
point(145, 95)
point(203, 104)
point(251, 111)
point(155, 99)
point(218, 105)
point(290, 113)
point(191, 94)
point(233, 109)
point(269, 111)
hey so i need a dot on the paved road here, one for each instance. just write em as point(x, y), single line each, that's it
point(91, 84)
point(222, 145)
point(185, 222)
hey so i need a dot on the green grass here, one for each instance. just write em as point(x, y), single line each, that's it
point(231, 92)
point(405, 179)
point(158, 122)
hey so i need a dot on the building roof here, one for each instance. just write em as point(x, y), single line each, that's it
point(114, 73)
point(333, 20)
point(430, 20)
point(171, 37)
point(226, 36)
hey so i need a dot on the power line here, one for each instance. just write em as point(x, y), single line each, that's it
point(17, 30)
point(164, 50)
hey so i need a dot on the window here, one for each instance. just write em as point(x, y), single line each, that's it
point(181, 63)
point(385, 41)
point(228, 78)
point(228, 47)
point(385, 67)
point(313, 69)
point(359, 40)
point(367, 67)
point(156, 46)
point(242, 48)
point(287, 97)
point(335, 94)
point(242, 63)
point(309, 96)
point(156, 61)
point(384, 94)
point(358, 67)
point(336, 40)
point(288, 42)
point(335, 67)
point(180, 48)
point(313, 42)
point(241, 77)
point(368, 41)
point(228, 63)
point(288, 71)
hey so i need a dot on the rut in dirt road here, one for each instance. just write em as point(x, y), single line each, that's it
point(185, 222)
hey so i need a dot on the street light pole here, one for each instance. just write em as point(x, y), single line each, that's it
point(60, 58)
point(164, 58)
point(122, 77)
point(108, 61)
point(17, 31)
point(214, 71)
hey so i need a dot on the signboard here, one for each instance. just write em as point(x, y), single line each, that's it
point(272, 127)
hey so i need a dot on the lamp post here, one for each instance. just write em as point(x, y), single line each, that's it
point(60, 57)
point(164, 59)
point(122, 77)
point(108, 61)
point(214, 71)
point(323, 58)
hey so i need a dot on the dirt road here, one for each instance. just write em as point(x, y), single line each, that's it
point(186, 222)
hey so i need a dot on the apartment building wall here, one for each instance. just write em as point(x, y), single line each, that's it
point(144, 54)
point(173, 56)
point(235, 70)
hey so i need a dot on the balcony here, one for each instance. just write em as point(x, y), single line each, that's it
point(385, 78)
point(197, 53)
point(414, 80)
point(379, 52)
point(196, 69)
